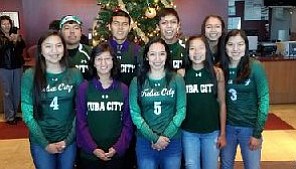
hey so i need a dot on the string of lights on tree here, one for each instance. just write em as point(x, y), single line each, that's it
point(142, 12)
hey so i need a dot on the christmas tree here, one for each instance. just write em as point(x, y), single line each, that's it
point(143, 14)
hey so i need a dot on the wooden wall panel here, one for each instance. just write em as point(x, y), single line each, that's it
point(282, 81)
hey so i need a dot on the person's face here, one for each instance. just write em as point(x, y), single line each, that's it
point(5, 26)
point(71, 33)
point(52, 50)
point(169, 28)
point(157, 56)
point(197, 51)
point(235, 48)
point(103, 63)
point(213, 29)
point(120, 28)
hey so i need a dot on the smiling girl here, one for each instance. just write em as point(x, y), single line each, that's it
point(157, 103)
point(104, 125)
point(47, 99)
point(247, 99)
point(213, 28)
point(203, 130)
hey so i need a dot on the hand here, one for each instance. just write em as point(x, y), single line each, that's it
point(101, 154)
point(161, 143)
point(111, 152)
point(14, 37)
point(60, 145)
point(221, 142)
point(52, 148)
point(254, 143)
point(181, 72)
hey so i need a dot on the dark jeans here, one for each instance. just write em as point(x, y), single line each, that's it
point(115, 163)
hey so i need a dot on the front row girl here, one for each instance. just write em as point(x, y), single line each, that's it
point(203, 130)
point(158, 105)
point(247, 102)
point(48, 92)
point(104, 126)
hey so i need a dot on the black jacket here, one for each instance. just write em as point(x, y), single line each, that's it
point(10, 53)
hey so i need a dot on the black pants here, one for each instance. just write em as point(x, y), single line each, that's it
point(114, 163)
point(130, 159)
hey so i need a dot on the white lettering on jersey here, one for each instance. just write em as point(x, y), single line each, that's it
point(60, 87)
point(153, 93)
point(114, 106)
point(82, 68)
point(127, 68)
point(247, 82)
point(177, 64)
point(105, 106)
point(167, 92)
point(192, 88)
point(206, 88)
point(199, 88)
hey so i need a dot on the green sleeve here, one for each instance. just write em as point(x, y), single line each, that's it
point(78, 79)
point(71, 136)
point(27, 108)
point(263, 98)
point(174, 125)
point(136, 115)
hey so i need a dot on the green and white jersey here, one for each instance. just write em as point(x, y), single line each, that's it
point(202, 112)
point(128, 63)
point(79, 58)
point(248, 102)
point(178, 53)
point(57, 98)
point(127, 55)
point(160, 109)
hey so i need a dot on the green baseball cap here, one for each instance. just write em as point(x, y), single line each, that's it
point(68, 18)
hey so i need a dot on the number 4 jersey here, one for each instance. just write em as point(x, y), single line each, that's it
point(57, 100)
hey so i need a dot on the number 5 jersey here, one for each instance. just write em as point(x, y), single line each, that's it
point(159, 109)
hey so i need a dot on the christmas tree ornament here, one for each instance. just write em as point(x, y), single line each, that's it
point(150, 12)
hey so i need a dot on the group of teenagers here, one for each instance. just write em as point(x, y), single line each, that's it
point(196, 103)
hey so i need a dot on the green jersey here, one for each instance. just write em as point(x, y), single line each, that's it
point(57, 102)
point(104, 112)
point(79, 58)
point(127, 55)
point(160, 108)
point(177, 55)
point(202, 112)
point(248, 102)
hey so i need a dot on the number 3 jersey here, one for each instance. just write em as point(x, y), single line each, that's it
point(160, 107)
point(248, 102)
point(57, 99)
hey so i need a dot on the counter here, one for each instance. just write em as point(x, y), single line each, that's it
point(281, 75)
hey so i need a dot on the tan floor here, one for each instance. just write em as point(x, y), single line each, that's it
point(279, 145)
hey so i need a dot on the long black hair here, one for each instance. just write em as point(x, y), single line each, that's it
point(97, 50)
point(145, 67)
point(243, 68)
point(208, 62)
point(39, 79)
